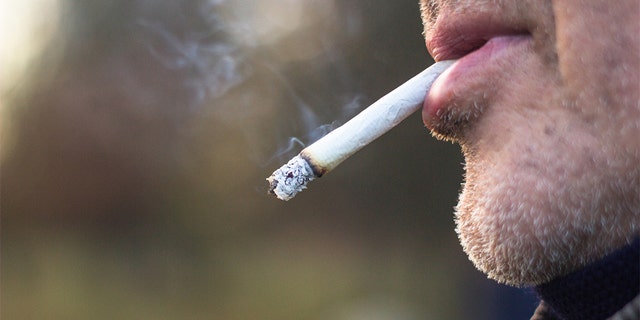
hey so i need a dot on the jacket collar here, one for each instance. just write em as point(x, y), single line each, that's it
point(598, 290)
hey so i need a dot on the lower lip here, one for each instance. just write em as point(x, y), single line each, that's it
point(471, 71)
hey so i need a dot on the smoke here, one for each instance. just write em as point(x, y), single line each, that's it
point(242, 58)
point(212, 63)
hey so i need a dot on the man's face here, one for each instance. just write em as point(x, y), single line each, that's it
point(544, 101)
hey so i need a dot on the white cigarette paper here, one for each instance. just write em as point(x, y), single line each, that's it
point(327, 153)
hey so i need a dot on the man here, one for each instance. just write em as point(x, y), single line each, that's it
point(544, 101)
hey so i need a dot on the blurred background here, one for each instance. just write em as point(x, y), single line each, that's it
point(136, 139)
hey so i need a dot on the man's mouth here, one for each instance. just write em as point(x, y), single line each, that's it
point(480, 43)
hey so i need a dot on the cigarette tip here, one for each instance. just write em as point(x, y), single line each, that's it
point(290, 179)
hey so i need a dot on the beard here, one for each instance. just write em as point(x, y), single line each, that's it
point(537, 209)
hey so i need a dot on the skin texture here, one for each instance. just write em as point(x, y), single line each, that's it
point(550, 131)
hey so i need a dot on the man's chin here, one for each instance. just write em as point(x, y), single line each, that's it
point(510, 229)
point(521, 234)
point(496, 247)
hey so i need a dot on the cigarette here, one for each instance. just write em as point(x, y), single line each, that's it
point(327, 153)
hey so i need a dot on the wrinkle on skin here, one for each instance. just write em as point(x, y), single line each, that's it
point(552, 163)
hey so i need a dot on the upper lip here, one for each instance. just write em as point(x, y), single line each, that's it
point(452, 37)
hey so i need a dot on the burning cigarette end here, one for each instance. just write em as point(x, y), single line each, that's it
point(327, 153)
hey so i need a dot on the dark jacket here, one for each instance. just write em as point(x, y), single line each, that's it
point(630, 312)
point(605, 289)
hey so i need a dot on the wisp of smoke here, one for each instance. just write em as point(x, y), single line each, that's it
point(213, 67)
point(201, 48)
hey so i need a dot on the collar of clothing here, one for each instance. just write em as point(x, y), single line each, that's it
point(597, 291)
